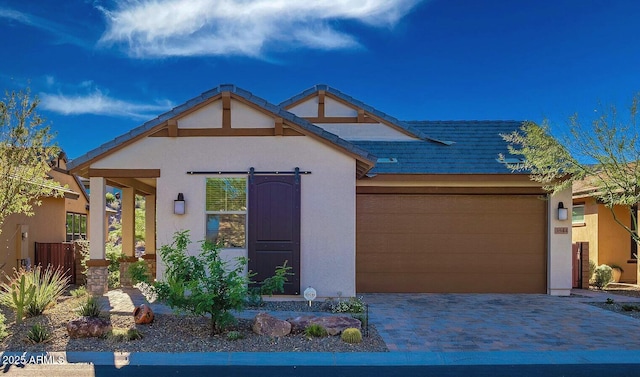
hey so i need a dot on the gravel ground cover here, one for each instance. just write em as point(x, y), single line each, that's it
point(628, 309)
point(173, 333)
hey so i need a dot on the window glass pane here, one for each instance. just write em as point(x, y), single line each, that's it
point(83, 224)
point(69, 222)
point(228, 229)
point(577, 215)
point(226, 194)
point(76, 224)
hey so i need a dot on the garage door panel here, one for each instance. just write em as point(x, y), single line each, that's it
point(501, 238)
point(440, 282)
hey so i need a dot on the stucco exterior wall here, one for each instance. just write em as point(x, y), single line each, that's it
point(588, 232)
point(614, 244)
point(328, 194)
point(47, 225)
point(560, 257)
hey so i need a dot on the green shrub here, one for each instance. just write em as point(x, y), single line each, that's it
point(602, 276)
point(609, 301)
point(352, 305)
point(362, 318)
point(235, 335)
point(113, 254)
point(275, 283)
point(90, 308)
point(3, 327)
point(38, 334)
point(315, 330)
point(79, 292)
point(202, 284)
point(123, 335)
point(139, 272)
point(351, 335)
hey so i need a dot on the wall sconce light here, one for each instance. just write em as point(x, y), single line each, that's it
point(178, 205)
point(25, 235)
point(563, 213)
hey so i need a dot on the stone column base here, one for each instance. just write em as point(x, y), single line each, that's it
point(151, 264)
point(98, 276)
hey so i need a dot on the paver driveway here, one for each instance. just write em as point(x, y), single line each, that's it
point(500, 322)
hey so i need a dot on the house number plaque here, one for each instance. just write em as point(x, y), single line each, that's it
point(561, 230)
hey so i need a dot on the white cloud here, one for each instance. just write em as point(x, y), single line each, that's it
point(158, 28)
point(58, 30)
point(98, 103)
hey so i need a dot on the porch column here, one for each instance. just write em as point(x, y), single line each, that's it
point(150, 234)
point(128, 221)
point(97, 274)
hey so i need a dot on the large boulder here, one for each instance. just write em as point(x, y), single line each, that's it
point(333, 324)
point(264, 324)
point(88, 327)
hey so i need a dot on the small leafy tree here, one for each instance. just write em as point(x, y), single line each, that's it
point(204, 283)
point(25, 152)
point(603, 154)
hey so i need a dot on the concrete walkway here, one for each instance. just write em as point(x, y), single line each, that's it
point(476, 323)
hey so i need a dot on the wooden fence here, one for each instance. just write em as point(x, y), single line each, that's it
point(60, 255)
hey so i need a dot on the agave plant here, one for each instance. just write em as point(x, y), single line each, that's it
point(49, 284)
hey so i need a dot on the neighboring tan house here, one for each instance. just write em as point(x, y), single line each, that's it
point(609, 242)
point(354, 199)
point(58, 219)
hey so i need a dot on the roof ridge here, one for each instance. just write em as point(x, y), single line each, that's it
point(204, 96)
point(395, 121)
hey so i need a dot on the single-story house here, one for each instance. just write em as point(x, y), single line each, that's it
point(354, 199)
point(609, 243)
point(59, 219)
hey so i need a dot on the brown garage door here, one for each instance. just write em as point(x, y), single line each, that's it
point(451, 243)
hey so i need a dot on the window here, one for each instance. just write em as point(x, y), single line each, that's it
point(577, 214)
point(226, 211)
point(76, 226)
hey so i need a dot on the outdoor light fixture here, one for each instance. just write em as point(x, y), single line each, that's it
point(178, 205)
point(25, 235)
point(563, 213)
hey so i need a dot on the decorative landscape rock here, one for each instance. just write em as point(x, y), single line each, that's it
point(333, 324)
point(88, 327)
point(264, 324)
point(143, 315)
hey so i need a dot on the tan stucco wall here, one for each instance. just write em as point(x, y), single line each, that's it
point(47, 225)
point(609, 243)
point(328, 194)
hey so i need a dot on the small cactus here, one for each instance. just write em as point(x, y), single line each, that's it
point(22, 297)
point(351, 335)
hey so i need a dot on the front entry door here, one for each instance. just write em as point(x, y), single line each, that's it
point(274, 227)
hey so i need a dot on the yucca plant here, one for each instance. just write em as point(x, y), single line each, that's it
point(38, 334)
point(50, 284)
point(90, 308)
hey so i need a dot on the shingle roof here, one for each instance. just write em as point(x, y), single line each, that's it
point(475, 151)
point(276, 110)
point(417, 132)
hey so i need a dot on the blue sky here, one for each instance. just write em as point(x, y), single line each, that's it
point(101, 68)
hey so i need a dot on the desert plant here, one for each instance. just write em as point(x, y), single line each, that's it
point(139, 272)
point(352, 305)
point(275, 283)
point(351, 335)
point(90, 307)
point(39, 333)
point(315, 330)
point(609, 301)
point(83, 247)
point(235, 335)
point(49, 284)
point(3, 327)
point(602, 276)
point(202, 284)
point(113, 254)
point(123, 335)
point(79, 292)
point(592, 269)
point(630, 308)
point(17, 293)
